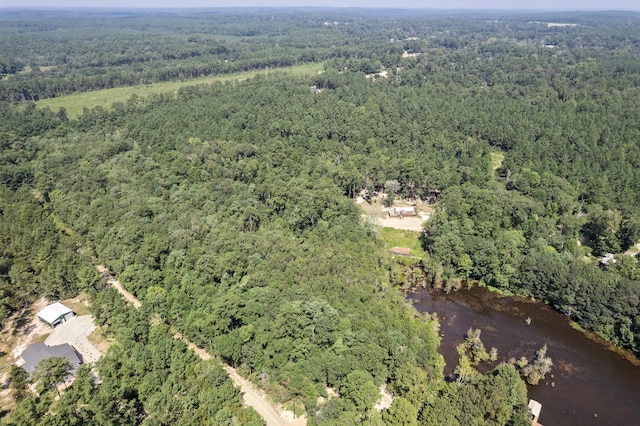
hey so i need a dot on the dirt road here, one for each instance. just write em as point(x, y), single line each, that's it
point(633, 250)
point(259, 402)
point(113, 281)
point(251, 396)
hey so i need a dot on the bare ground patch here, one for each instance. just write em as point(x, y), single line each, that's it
point(377, 214)
point(21, 330)
point(100, 342)
point(386, 399)
point(634, 250)
point(79, 304)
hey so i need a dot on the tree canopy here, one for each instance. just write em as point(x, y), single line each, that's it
point(228, 208)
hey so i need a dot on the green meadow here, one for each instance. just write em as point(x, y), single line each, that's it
point(402, 238)
point(75, 103)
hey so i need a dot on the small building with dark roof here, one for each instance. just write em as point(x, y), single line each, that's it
point(39, 351)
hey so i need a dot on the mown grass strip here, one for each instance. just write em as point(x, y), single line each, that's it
point(75, 103)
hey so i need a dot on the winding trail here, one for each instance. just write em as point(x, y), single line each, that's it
point(113, 281)
point(251, 396)
point(633, 250)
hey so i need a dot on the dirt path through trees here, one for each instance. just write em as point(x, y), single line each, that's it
point(633, 250)
point(113, 281)
point(251, 396)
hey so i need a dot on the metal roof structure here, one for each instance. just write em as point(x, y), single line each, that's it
point(535, 408)
point(52, 313)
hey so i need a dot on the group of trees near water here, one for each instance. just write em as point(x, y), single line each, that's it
point(226, 210)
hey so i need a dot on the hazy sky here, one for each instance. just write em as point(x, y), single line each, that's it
point(431, 4)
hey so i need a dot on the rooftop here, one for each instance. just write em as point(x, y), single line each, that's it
point(535, 407)
point(53, 312)
point(39, 351)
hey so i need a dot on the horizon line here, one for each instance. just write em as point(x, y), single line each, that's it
point(408, 8)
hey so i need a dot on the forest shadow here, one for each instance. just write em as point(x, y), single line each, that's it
point(21, 321)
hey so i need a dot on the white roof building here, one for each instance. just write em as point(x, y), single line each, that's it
point(535, 407)
point(607, 258)
point(55, 314)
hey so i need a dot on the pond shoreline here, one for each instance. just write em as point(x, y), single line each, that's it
point(590, 334)
point(590, 382)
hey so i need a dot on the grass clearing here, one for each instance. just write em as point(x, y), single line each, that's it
point(402, 238)
point(75, 103)
point(100, 340)
point(79, 304)
point(496, 160)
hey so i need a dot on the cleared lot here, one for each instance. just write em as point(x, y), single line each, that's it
point(376, 213)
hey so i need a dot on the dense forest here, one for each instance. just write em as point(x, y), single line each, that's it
point(228, 208)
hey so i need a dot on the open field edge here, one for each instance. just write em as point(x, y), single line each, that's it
point(75, 103)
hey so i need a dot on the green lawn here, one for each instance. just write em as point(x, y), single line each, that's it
point(401, 238)
point(75, 103)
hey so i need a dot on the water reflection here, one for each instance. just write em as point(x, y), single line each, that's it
point(589, 384)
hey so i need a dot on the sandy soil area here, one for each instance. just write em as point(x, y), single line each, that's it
point(407, 223)
point(20, 331)
point(19, 337)
point(633, 250)
point(385, 399)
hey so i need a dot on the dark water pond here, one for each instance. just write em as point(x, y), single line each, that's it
point(591, 384)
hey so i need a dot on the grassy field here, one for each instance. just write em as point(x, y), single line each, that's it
point(75, 103)
point(402, 238)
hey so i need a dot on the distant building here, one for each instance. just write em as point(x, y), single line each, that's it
point(55, 314)
point(403, 212)
point(607, 259)
point(39, 351)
